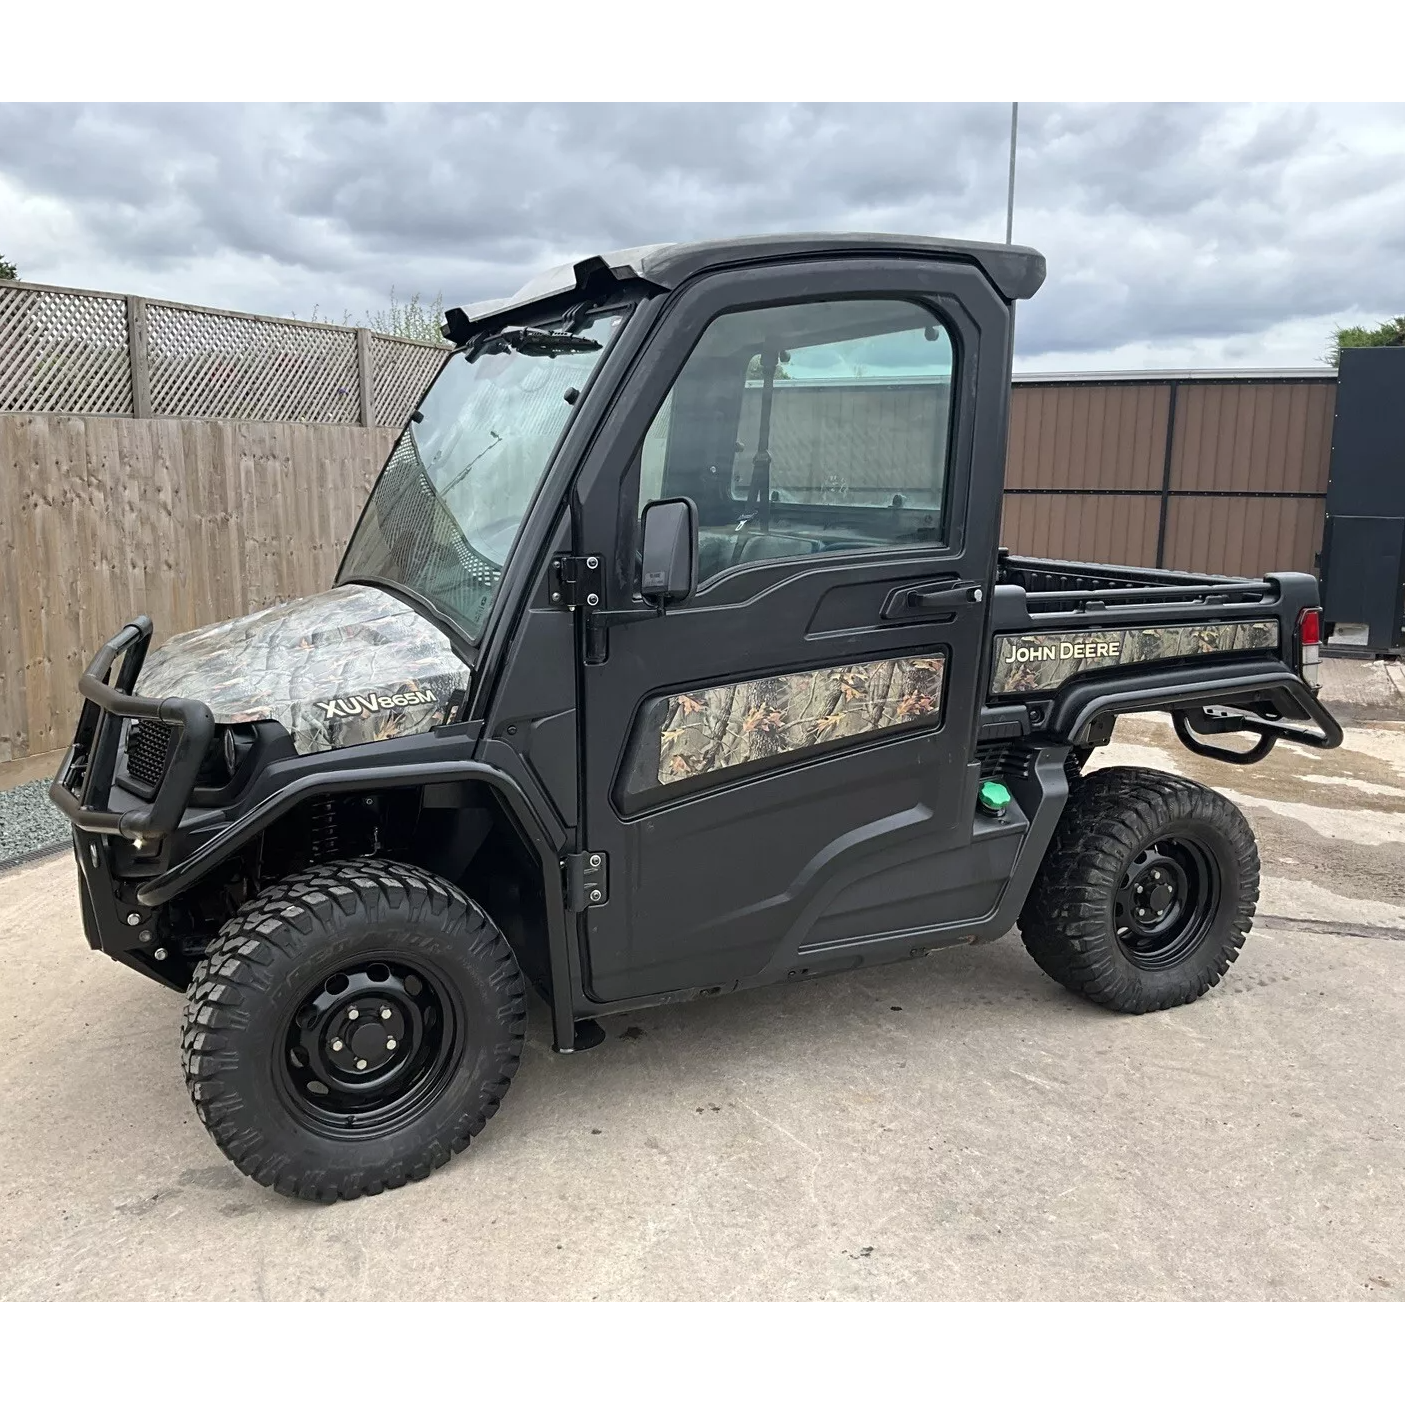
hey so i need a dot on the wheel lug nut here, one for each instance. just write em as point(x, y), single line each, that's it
point(385, 1012)
point(353, 1013)
point(337, 1046)
point(360, 1063)
point(389, 1043)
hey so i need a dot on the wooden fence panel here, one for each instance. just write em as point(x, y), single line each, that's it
point(189, 521)
point(73, 352)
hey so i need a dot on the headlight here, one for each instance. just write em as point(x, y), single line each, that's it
point(225, 756)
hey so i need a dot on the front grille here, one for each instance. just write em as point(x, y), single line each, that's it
point(149, 751)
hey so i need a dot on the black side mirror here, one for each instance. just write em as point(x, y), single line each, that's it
point(670, 556)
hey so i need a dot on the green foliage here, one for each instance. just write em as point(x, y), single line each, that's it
point(7, 269)
point(416, 320)
point(1389, 333)
point(754, 371)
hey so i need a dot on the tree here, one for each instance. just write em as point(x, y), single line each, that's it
point(415, 320)
point(7, 269)
point(1390, 333)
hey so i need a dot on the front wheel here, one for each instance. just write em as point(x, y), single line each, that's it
point(1147, 892)
point(351, 1028)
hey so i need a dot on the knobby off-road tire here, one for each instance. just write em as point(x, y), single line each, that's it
point(316, 1102)
point(1147, 891)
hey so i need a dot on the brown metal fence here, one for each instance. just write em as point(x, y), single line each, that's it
point(1196, 471)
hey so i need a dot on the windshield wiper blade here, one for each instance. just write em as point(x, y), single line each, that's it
point(533, 341)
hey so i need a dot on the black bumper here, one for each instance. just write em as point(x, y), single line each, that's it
point(83, 789)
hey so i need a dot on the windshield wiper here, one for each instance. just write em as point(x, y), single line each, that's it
point(533, 341)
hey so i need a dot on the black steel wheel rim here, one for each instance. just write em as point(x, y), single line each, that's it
point(1166, 901)
point(369, 1047)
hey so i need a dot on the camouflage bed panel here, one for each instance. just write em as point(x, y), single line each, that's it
point(1040, 663)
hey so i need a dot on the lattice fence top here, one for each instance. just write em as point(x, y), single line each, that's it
point(68, 351)
point(400, 372)
point(218, 365)
point(63, 352)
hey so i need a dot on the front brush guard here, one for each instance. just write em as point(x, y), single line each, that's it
point(83, 787)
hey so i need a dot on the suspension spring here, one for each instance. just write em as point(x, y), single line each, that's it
point(324, 829)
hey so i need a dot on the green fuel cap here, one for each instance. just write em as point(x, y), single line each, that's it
point(994, 798)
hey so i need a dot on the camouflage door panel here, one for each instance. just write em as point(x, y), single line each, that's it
point(1040, 663)
point(715, 730)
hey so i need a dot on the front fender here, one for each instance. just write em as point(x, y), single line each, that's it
point(235, 836)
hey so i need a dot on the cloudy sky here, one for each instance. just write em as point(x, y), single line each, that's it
point(1177, 235)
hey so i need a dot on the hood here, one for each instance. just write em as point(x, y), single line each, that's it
point(348, 666)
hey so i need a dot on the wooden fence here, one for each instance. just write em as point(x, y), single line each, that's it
point(72, 351)
point(189, 521)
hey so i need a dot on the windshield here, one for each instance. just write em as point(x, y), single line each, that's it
point(447, 506)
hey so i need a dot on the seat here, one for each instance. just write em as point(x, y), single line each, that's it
point(773, 546)
point(720, 548)
point(715, 548)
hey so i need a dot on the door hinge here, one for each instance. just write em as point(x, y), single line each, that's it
point(587, 880)
point(577, 582)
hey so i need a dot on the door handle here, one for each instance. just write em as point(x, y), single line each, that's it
point(909, 600)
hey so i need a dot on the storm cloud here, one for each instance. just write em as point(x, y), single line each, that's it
point(1175, 234)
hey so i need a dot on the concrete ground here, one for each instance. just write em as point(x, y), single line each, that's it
point(958, 1127)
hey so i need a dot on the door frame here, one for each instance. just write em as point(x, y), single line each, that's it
point(604, 502)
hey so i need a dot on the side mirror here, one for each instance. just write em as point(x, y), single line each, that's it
point(670, 555)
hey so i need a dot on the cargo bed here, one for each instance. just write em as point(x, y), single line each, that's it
point(1075, 643)
point(1060, 586)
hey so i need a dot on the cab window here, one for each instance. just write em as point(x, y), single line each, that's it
point(808, 428)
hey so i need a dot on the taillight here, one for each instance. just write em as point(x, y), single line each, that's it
point(1309, 645)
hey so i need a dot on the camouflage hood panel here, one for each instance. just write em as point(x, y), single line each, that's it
point(1032, 663)
point(348, 666)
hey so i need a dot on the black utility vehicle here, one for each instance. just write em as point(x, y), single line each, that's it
point(673, 654)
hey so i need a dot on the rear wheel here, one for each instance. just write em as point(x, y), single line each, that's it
point(1147, 892)
point(351, 1028)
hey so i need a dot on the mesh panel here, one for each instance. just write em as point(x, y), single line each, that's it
point(409, 535)
point(148, 751)
point(63, 353)
point(400, 373)
point(214, 365)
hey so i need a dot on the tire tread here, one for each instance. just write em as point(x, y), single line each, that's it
point(283, 921)
point(1111, 814)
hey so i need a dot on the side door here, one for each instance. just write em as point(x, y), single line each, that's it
point(779, 770)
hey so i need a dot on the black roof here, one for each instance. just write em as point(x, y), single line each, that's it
point(1014, 270)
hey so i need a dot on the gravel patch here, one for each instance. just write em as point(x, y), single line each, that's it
point(29, 821)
